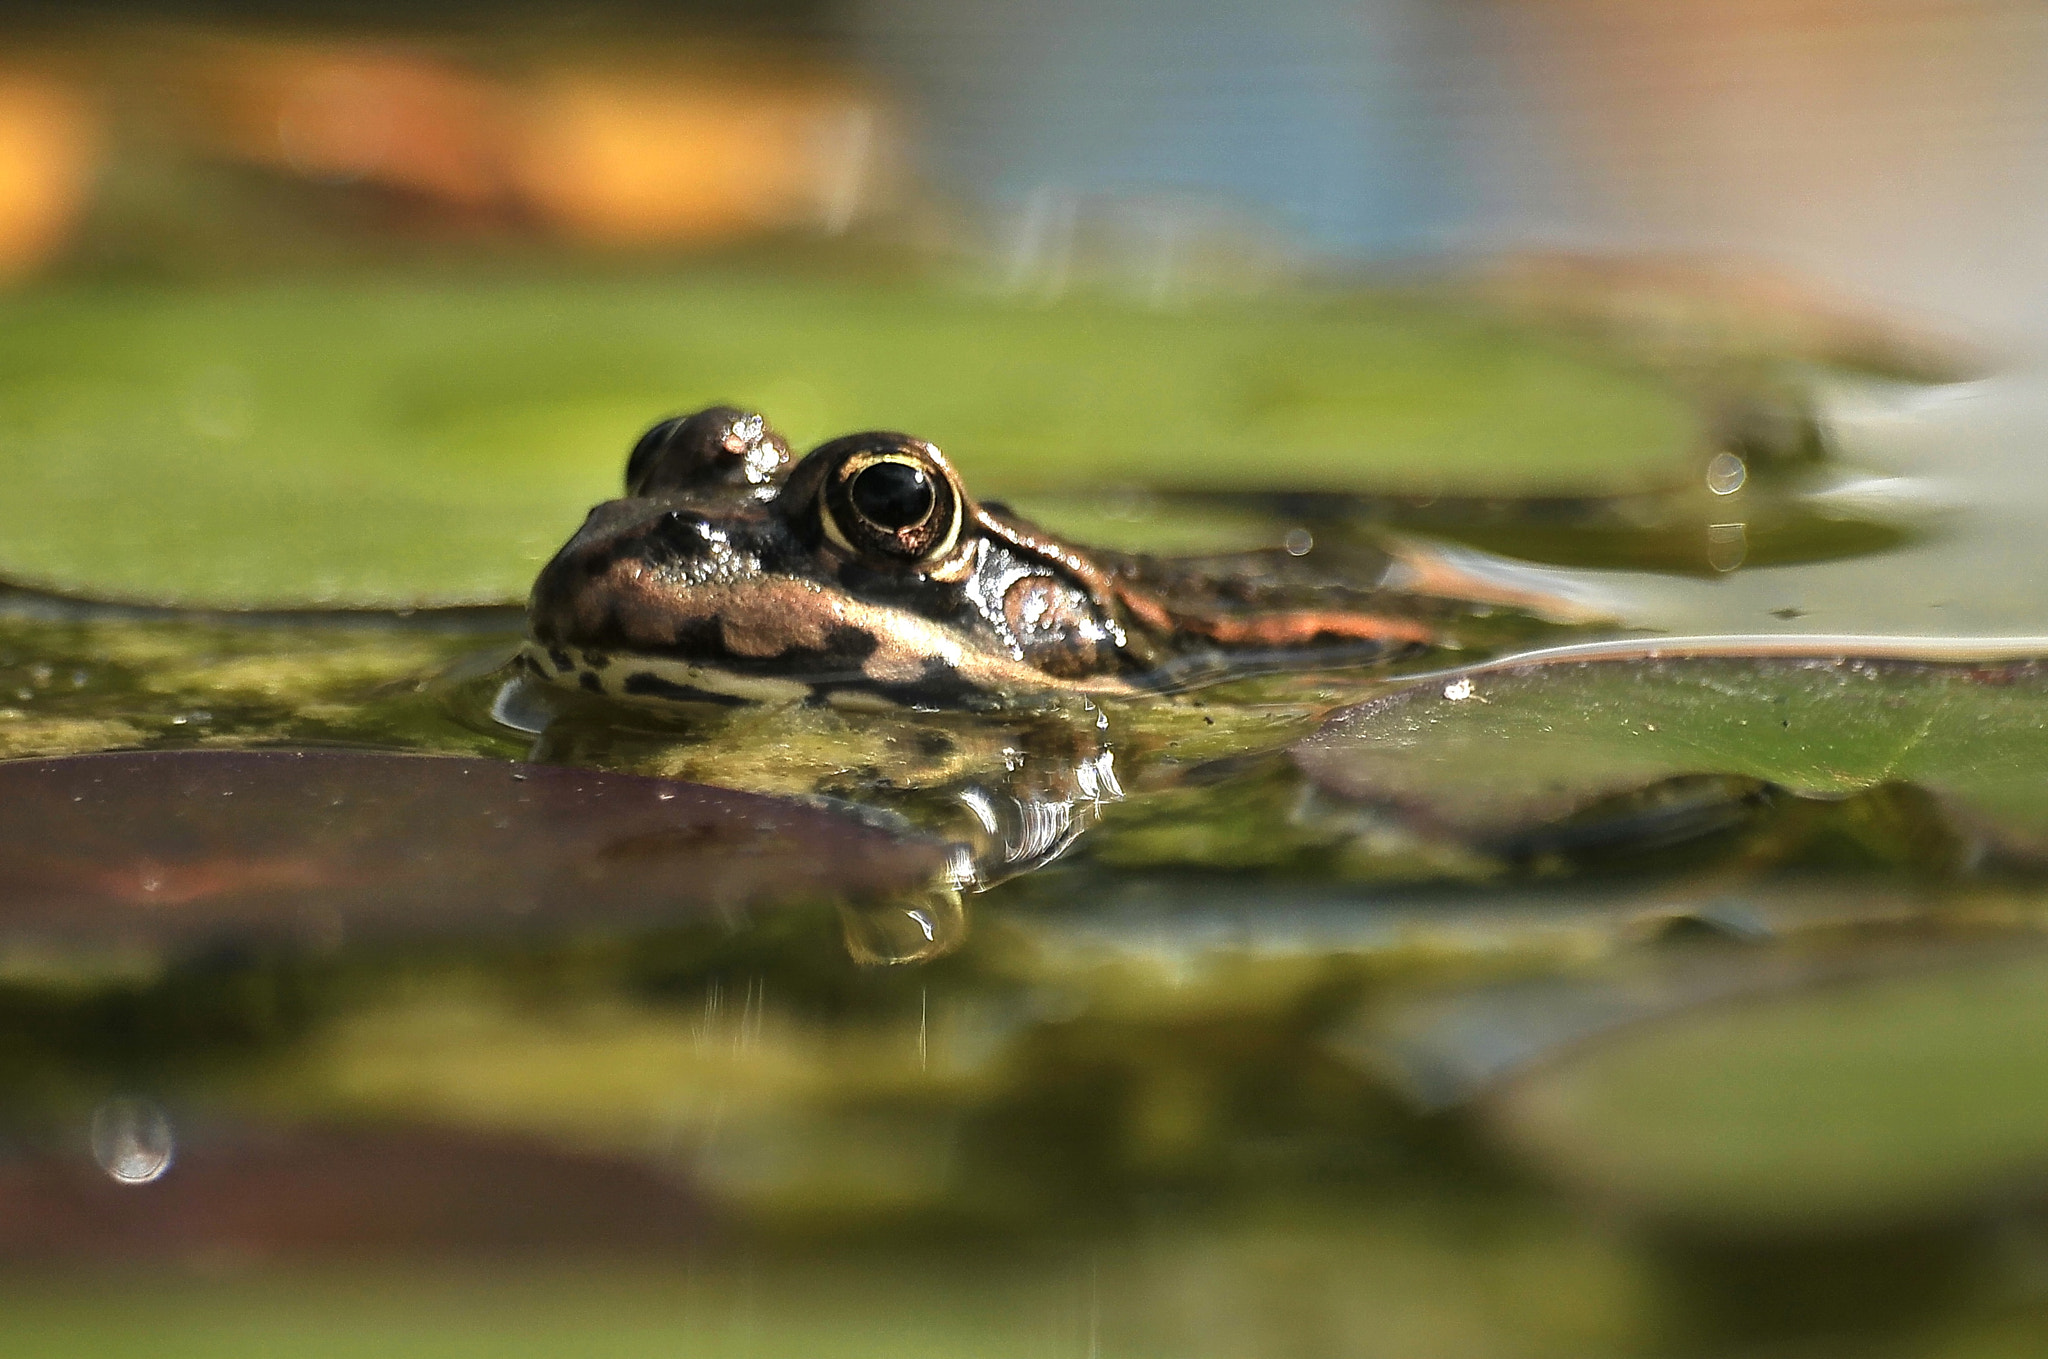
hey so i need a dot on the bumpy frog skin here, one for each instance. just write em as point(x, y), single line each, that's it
point(864, 574)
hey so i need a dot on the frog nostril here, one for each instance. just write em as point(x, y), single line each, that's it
point(681, 532)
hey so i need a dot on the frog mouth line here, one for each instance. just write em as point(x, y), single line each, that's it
point(975, 682)
point(656, 678)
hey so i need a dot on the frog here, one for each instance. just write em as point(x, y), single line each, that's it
point(865, 574)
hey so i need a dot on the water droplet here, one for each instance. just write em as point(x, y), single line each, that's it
point(1727, 545)
point(905, 932)
point(1298, 542)
point(522, 707)
point(132, 1140)
point(1726, 473)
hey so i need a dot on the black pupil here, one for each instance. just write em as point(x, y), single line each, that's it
point(892, 495)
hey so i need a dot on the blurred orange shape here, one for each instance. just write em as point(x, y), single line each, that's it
point(639, 161)
point(402, 120)
point(49, 141)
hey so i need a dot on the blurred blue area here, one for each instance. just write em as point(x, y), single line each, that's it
point(1887, 152)
point(1316, 113)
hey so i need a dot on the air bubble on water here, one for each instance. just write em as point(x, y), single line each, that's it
point(1298, 542)
point(1457, 691)
point(132, 1140)
point(1726, 473)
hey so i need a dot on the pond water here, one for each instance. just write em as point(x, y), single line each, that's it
point(1677, 996)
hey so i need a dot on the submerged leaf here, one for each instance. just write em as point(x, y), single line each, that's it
point(184, 849)
point(297, 1192)
point(1867, 1100)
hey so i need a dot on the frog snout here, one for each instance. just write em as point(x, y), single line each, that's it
point(612, 535)
point(630, 557)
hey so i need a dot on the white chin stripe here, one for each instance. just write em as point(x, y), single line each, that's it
point(656, 680)
point(662, 680)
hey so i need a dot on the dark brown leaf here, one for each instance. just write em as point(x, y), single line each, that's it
point(181, 848)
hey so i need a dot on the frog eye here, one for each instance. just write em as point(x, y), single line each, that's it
point(898, 504)
point(892, 495)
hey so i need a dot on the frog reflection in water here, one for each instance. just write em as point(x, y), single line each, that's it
point(865, 576)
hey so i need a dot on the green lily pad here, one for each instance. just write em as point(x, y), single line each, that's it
point(403, 441)
point(1887, 1097)
point(1500, 748)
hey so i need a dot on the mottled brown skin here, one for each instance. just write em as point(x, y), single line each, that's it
point(863, 573)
